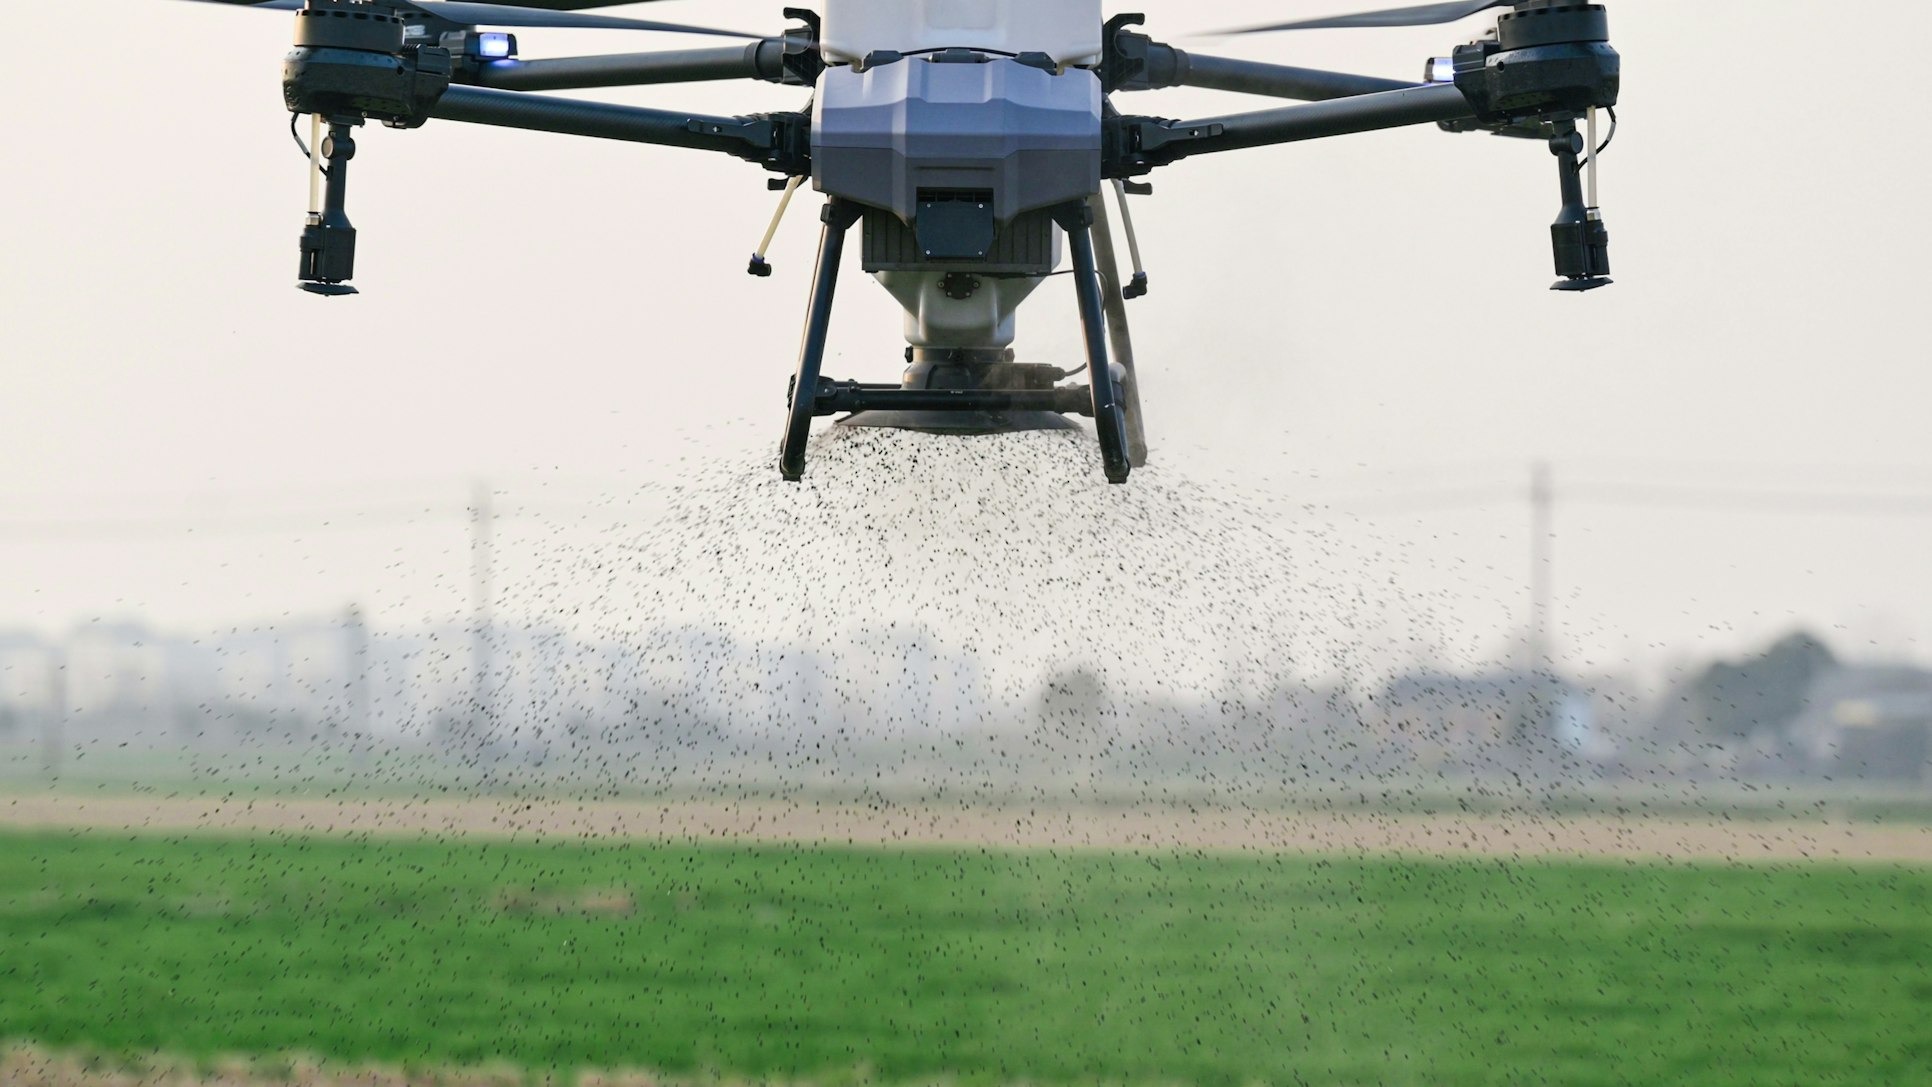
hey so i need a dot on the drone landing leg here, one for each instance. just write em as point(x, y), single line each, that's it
point(1119, 335)
point(839, 216)
point(329, 241)
point(1109, 418)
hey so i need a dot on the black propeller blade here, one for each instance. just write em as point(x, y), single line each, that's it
point(491, 14)
point(487, 14)
point(564, 5)
point(1422, 15)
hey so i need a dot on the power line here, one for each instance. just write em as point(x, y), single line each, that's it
point(1721, 474)
point(423, 490)
point(1815, 503)
point(482, 601)
point(1645, 496)
point(1542, 498)
point(339, 520)
point(1412, 503)
point(1915, 476)
point(1404, 503)
point(116, 528)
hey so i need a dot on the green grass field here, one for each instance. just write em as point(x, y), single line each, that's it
point(973, 966)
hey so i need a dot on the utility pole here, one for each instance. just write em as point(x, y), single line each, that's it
point(482, 516)
point(1542, 565)
point(53, 737)
point(355, 726)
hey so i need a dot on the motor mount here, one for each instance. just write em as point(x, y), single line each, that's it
point(1548, 57)
point(351, 63)
point(350, 58)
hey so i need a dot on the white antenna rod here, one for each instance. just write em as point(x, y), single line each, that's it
point(783, 205)
point(1127, 221)
point(315, 166)
point(1593, 159)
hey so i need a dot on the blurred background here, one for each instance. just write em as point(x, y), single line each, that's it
point(1483, 686)
point(234, 512)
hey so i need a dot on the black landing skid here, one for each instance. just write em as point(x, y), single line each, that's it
point(960, 392)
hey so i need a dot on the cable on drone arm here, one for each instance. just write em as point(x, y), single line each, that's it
point(1142, 143)
point(759, 265)
point(1137, 287)
point(1607, 140)
point(1277, 80)
point(761, 60)
point(780, 142)
point(295, 131)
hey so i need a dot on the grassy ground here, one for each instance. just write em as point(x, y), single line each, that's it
point(979, 966)
point(285, 772)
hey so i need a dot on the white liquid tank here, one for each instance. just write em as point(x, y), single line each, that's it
point(1067, 30)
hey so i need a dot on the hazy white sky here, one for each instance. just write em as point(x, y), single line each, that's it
point(1355, 318)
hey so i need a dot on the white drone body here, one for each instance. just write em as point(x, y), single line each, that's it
point(959, 124)
point(1066, 30)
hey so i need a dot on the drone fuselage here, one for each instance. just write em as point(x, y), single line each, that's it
point(1069, 31)
point(958, 125)
point(958, 158)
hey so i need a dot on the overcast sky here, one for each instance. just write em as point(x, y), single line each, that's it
point(1355, 319)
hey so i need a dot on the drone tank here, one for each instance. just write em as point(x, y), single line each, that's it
point(960, 129)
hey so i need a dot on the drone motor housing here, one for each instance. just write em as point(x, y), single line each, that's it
point(1549, 56)
point(350, 60)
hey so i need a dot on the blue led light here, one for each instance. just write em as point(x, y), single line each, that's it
point(495, 46)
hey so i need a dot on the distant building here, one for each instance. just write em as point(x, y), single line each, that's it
point(1868, 723)
point(1476, 721)
point(117, 686)
point(1753, 701)
point(27, 683)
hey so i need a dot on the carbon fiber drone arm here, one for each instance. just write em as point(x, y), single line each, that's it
point(1274, 80)
point(1137, 145)
point(763, 60)
point(1135, 62)
point(777, 141)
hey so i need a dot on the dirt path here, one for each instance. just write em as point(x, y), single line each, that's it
point(30, 1068)
point(829, 822)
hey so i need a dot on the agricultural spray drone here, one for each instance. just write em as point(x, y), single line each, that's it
point(967, 136)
